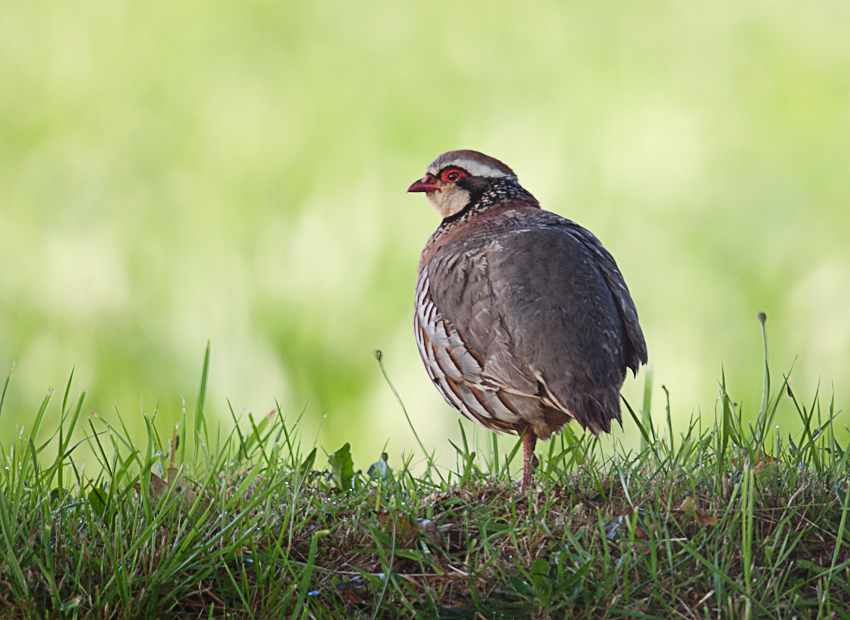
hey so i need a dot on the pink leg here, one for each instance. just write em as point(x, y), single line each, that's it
point(529, 461)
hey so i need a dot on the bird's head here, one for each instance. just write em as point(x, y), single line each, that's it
point(457, 179)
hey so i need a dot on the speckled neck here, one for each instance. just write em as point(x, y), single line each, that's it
point(498, 190)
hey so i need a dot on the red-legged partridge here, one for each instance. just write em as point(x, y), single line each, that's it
point(522, 318)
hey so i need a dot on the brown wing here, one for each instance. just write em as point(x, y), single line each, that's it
point(636, 353)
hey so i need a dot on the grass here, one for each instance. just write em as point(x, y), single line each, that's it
point(734, 520)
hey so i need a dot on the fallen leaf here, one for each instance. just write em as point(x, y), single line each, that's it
point(689, 506)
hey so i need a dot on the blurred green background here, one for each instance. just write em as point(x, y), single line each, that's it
point(172, 173)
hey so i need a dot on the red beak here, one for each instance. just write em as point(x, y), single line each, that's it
point(428, 183)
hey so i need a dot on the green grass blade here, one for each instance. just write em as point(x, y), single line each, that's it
point(201, 433)
point(5, 388)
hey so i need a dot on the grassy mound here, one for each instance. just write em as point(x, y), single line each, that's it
point(727, 521)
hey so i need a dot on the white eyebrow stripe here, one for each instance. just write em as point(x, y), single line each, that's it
point(473, 167)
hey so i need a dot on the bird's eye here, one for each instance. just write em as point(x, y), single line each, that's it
point(452, 175)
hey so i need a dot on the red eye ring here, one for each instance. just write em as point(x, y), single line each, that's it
point(451, 175)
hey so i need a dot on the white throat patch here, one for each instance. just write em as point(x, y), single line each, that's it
point(449, 200)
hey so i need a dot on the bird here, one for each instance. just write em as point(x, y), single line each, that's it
point(522, 318)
